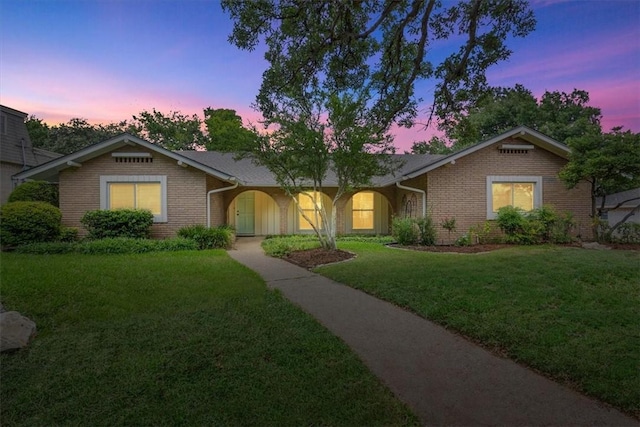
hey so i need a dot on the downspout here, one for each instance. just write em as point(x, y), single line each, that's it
point(217, 190)
point(417, 190)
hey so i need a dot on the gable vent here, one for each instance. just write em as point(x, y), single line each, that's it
point(132, 157)
point(514, 149)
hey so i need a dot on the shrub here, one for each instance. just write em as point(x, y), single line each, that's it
point(68, 234)
point(133, 223)
point(540, 225)
point(208, 238)
point(629, 232)
point(405, 231)
point(464, 240)
point(116, 245)
point(484, 233)
point(426, 230)
point(28, 222)
point(35, 191)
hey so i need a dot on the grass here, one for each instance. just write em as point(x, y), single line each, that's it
point(182, 338)
point(573, 314)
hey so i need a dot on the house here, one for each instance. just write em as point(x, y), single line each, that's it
point(16, 151)
point(519, 167)
point(620, 205)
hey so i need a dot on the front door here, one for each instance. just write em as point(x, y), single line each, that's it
point(245, 214)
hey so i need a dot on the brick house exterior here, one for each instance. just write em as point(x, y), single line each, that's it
point(214, 188)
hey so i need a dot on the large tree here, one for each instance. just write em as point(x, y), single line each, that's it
point(173, 131)
point(557, 114)
point(341, 72)
point(610, 163)
point(225, 131)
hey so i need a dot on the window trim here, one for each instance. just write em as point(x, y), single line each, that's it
point(535, 180)
point(105, 180)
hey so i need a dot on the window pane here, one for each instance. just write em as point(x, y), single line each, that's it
point(523, 196)
point(121, 195)
point(501, 193)
point(363, 200)
point(303, 223)
point(363, 220)
point(148, 196)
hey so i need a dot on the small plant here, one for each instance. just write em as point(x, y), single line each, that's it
point(68, 234)
point(629, 232)
point(35, 191)
point(29, 222)
point(449, 224)
point(484, 233)
point(133, 223)
point(464, 240)
point(208, 238)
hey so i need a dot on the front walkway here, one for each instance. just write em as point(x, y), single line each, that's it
point(445, 379)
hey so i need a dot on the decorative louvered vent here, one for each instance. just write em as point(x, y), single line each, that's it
point(514, 149)
point(132, 157)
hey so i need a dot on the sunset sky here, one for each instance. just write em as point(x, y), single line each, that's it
point(106, 60)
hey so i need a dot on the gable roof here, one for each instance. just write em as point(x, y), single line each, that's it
point(244, 171)
point(49, 170)
point(521, 132)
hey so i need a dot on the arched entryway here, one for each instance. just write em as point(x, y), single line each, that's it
point(254, 213)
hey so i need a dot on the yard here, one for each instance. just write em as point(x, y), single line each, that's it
point(182, 338)
point(570, 313)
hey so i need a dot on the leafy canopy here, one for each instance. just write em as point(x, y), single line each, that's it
point(377, 47)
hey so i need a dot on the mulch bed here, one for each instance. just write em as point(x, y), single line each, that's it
point(313, 258)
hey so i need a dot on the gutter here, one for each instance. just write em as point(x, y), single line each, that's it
point(417, 190)
point(218, 190)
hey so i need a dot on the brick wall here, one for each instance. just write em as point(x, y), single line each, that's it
point(459, 190)
point(186, 190)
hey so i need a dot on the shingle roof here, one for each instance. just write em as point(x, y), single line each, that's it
point(15, 144)
point(250, 174)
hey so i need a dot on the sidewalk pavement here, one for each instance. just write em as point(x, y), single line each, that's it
point(443, 378)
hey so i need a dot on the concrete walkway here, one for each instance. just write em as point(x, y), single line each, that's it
point(445, 379)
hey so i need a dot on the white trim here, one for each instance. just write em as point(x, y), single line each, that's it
point(162, 179)
point(141, 155)
point(537, 190)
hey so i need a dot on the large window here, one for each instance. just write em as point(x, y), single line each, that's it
point(135, 192)
point(310, 203)
point(523, 192)
point(362, 211)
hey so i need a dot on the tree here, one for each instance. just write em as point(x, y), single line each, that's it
point(38, 132)
point(174, 131)
point(435, 145)
point(610, 162)
point(378, 46)
point(342, 72)
point(225, 131)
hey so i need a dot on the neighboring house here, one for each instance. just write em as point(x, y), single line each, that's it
point(519, 167)
point(16, 152)
point(617, 206)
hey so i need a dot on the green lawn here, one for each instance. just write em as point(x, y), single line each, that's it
point(571, 313)
point(183, 338)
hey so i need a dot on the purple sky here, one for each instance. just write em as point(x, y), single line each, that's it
point(107, 60)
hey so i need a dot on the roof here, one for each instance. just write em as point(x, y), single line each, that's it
point(15, 144)
point(226, 167)
point(521, 132)
point(250, 174)
point(49, 170)
point(631, 199)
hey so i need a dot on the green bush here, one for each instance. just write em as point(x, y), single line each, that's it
point(115, 245)
point(405, 231)
point(35, 191)
point(133, 223)
point(540, 225)
point(29, 222)
point(629, 232)
point(464, 240)
point(68, 234)
point(208, 238)
point(427, 231)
